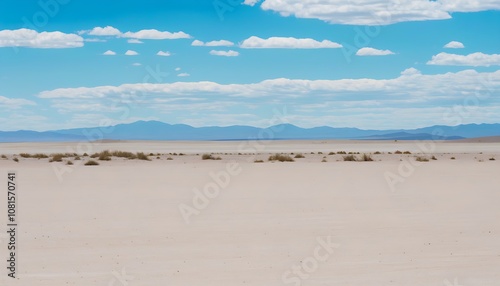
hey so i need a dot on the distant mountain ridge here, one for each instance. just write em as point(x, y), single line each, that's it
point(155, 130)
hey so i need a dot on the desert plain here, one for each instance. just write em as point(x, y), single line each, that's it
point(319, 220)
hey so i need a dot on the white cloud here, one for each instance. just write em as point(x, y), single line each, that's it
point(373, 52)
point(134, 41)
point(109, 53)
point(106, 31)
point(287, 43)
point(220, 43)
point(375, 12)
point(137, 64)
point(33, 39)
point(454, 45)
point(131, 53)
point(177, 69)
point(94, 40)
point(251, 2)
point(229, 53)
point(410, 72)
point(153, 34)
point(184, 74)
point(14, 103)
point(475, 60)
point(163, 54)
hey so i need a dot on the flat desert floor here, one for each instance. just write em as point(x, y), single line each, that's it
point(188, 221)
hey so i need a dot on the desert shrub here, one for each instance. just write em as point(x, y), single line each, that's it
point(69, 163)
point(422, 159)
point(15, 160)
point(349, 158)
point(91, 163)
point(4, 157)
point(406, 152)
point(258, 161)
point(398, 152)
point(182, 154)
point(324, 160)
point(492, 159)
point(157, 157)
point(142, 156)
point(377, 153)
point(85, 155)
point(151, 154)
point(299, 155)
point(57, 157)
point(281, 158)
point(25, 155)
point(39, 156)
point(452, 158)
point(95, 155)
point(331, 153)
point(169, 158)
point(206, 157)
point(433, 157)
point(105, 156)
point(124, 154)
point(341, 152)
point(366, 158)
point(77, 158)
point(321, 153)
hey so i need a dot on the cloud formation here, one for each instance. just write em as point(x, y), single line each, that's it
point(163, 54)
point(287, 43)
point(44, 40)
point(373, 52)
point(474, 60)
point(131, 53)
point(229, 53)
point(109, 53)
point(220, 43)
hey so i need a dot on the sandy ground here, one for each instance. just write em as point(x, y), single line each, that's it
point(393, 221)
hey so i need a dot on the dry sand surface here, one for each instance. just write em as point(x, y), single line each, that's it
point(187, 221)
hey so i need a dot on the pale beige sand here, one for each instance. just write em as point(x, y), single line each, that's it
point(119, 223)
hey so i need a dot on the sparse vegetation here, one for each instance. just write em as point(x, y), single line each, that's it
point(398, 152)
point(281, 158)
point(299, 156)
point(377, 153)
point(105, 156)
point(323, 161)
point(40, 156)
point(169, 158)
point(4, 157)
point(258, 161)
point(433, 157)
point(341, 152)
point(452, 158)
point(25, 155)
point(56, 157)
point(492, 159)
point(69, 163)
point(366, 158)
point(77, 158)
point(321, 153)
point(124, 154)
point(331, 153)
point(16, 160)
point(85, 155)
point(207, 156)
point(351, 158)
point(142, 156)
point(422, 159)
point(91, 163)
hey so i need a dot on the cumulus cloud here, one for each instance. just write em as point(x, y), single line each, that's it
point(131, 53)
point(287, 43)
point(410, 72)
point(109, 53)
point(134, 41)
point(229, 53)
point(153, 34)
point(220, 43)
point(375, 12)
point(454, 45)
point(184, 74)
point(475, 60)
point(373, 52)
point(33, 39)
point(106, 31)
point(251, 2)
point(14, 103)
point(163, 54)
point(177, 69)
point(137, 64)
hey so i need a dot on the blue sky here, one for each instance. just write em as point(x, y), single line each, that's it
point(359, 63)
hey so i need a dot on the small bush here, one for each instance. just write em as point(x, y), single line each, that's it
point(69, 163)
point(281, 158)
point(321, 153)
point(406, 152)
point(398, 152)
point(95, 155)
point(331, 153)
point(77, 158)
point(323, 161)
point(85, 155)
point(341, 152)
point(182, 154)
point(433, 157)
point(377, 153)
point(142, 156)
point(40, 156)
point(91, 163)
point(366, 158)
point(15, 160)
point(57, 158)
point(157, 157)
point(105, 156)
point(452, 158)
point(258, 161)
point(124, 154)
point(422, 159)
point(492, 159)
point(151, 154)
point(25, 155)
point(299, 155)
point(4, 157)
point(349, 158)
point(169, 158)
point(207, 157)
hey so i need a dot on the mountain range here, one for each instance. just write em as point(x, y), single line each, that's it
point(155, 130)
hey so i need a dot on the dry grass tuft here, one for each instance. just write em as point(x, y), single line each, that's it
point(281, 158)
point(258, 161)
point(350, 158)
point(299, 156)
point(142, 156)
point(366, 158)
point(91, 163)
point(422, 159)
